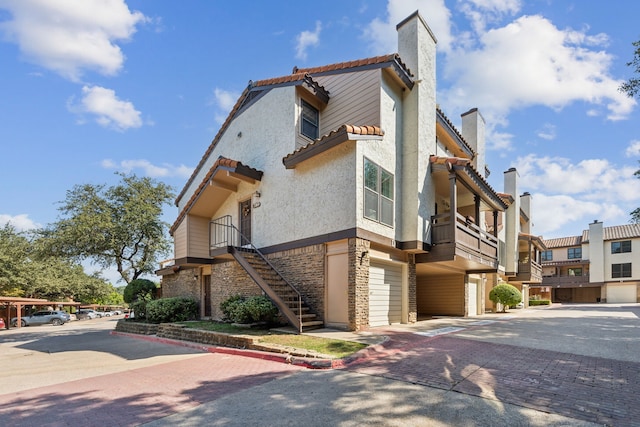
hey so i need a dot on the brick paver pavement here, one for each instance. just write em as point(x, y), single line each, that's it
point(140, 395)
point(587, 388)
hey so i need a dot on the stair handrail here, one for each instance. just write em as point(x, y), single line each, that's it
point(243, 239)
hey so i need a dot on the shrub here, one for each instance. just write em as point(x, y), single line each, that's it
point(176, 309)
point(533, 302)
point(240, 309)
point(139, 289)
point(506, 295)
point(139, 309)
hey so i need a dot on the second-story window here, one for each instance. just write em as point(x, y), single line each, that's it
point(378, 193)
point(574, 253)
point(621, 247)
point(310, 120)
point(546, 256)
point(620, 270)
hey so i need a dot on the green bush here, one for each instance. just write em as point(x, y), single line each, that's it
point(176, 309)
point(240, 309)
point(139, 310)
point(533, 302)
point(139, 289)
point(505, 294)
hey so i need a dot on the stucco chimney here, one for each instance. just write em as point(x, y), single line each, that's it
point(594, 252)
point(525, 207)
point(512, 222)
point(473, 131)
point(417, 50)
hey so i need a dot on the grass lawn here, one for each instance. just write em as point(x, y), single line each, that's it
point(330, 347)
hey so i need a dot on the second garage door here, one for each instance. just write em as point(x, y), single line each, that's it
point(385, 294)
point(622, 293)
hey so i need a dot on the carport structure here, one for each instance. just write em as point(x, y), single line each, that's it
point(19, 303)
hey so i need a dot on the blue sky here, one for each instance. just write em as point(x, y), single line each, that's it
point(93, 87)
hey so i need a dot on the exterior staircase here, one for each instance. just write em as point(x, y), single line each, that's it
point(284, 295)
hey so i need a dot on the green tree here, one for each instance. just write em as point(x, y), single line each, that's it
point(506, 295)
point(114, 226)
point(632, 86)
point(14, 261)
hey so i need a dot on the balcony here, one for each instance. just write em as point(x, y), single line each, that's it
point(528, 272)
point(462, 245)
point(565, 281)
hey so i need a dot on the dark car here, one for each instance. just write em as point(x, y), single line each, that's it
point(55, 318)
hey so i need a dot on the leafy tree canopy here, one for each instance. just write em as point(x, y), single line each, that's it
point(117, 226)
point(632, 86)
point(26, 270)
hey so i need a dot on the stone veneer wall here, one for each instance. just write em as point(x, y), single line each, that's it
point(304, 268)
point(412, 290)
point(358, 284)
point(229, 279)
point(181, 284)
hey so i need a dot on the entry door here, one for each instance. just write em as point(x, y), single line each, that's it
point(206, 295)
point(245, 222)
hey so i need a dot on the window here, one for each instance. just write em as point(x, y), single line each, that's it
point(574, 253)
point(620, 270)
point(310, 120)
point(621, 247)
point(546, 256)
point(378, 193)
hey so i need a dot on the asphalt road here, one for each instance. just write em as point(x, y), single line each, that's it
point(565, 366)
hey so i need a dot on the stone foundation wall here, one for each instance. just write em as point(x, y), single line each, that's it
point(229, 279)
point(304, 268)
point(181, 284)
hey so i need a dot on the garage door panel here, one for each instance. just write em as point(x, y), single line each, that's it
point(622, 293)
point(385, 294)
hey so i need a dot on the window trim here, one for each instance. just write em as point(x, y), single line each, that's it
point(621, 247)
point(617, 270)
point(378, 192)
point(577, 253)
point(307, 105)
point(543, 258)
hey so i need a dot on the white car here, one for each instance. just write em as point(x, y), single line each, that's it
point(105, 313)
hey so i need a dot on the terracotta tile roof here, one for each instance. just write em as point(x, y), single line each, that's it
point(616, 232)
point(563, 242)
point(358, 63)
point(330, 140)
point(298, 75)
point(221, 162)
point(441, 115)
point(506, 198)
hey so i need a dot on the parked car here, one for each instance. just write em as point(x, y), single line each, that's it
point(117, 312)
point(2, 325)
point(105, 313)
point(86, 313)
point(43, 317)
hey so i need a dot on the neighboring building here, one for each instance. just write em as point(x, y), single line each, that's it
point(345, 194)
point(601, 265)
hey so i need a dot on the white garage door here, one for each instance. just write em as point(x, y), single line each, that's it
point(621, 293)
point(385, 294)
point(473, 298)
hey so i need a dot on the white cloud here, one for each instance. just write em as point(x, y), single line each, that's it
point(382, 32)
point(70, 36)
point(21, 222)
point(548, 132)
point(633, 150)
point(148, 169)
point(110, 111)
point(306, 39)
point(566, 192)
point(484, 12)
point(224, 101)
point(539, 64)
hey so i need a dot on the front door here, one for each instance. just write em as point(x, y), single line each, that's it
point(245, 222)
point(206, 295)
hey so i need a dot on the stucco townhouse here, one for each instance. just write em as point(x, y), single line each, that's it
point(345, 194)
point(600, 265)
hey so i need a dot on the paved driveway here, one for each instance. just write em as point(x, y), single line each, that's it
point(565, 366)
